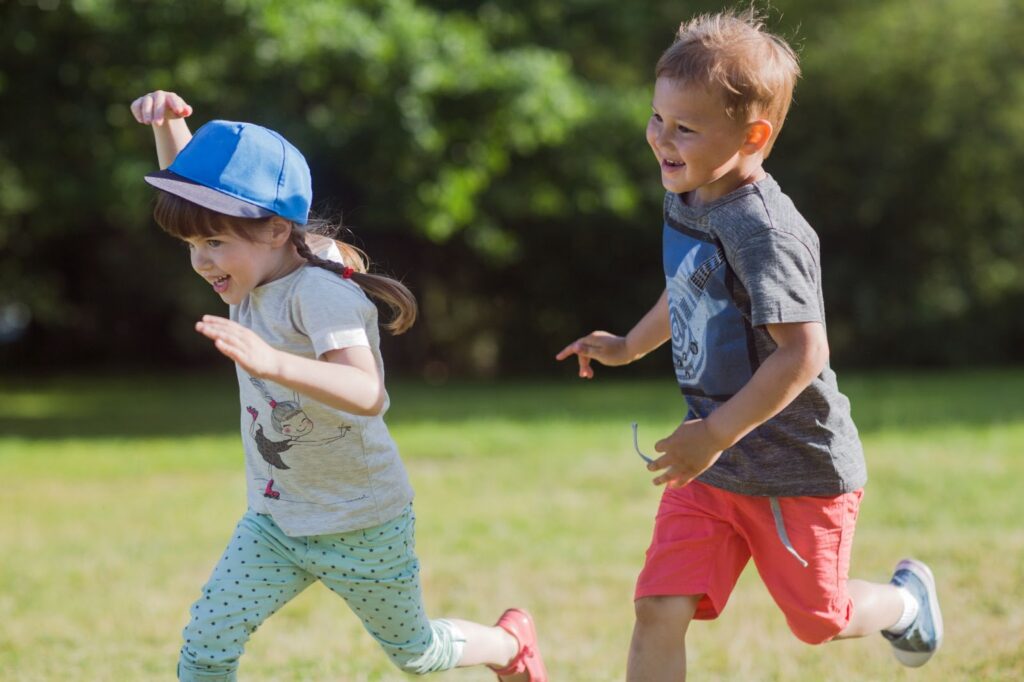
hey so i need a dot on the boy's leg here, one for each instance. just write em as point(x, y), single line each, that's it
point(875, 607)
point(692, 565)
point(254, 578)
point(658, 648)
point(815, 597)
point(819, 601)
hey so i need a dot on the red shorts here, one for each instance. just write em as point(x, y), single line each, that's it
point(704, 536)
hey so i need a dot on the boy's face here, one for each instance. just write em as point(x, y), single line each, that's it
point(696, 143)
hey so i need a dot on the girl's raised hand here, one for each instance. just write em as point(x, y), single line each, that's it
point(157, 106)
point(242, 345)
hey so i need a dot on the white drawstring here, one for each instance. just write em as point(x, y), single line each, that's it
point(780, 528)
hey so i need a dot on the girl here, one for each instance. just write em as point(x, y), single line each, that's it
point(338, 509)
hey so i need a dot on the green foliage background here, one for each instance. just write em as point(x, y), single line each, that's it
point(492, 155)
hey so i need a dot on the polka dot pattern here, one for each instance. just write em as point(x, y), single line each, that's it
point(374, 570)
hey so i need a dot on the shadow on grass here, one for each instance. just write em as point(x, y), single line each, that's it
point(197, 405)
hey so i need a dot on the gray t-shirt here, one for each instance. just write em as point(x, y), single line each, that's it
point(314, 469)
point(733, 266)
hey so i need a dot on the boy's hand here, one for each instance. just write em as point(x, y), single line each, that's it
point(242, 345)
point(156, 107)
point(689, 451)
point(606, 348)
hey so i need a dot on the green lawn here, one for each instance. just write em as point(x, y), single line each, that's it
point(118, 497)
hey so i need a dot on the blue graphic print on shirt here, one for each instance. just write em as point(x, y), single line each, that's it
point(711, 349)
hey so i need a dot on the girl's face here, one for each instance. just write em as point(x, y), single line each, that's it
point(234, 266)
point(696, 143)
point(296, 425)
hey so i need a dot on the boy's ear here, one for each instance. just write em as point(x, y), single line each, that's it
point(758, 134)
point(280, 231)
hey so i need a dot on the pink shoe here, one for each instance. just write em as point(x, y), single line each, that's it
point(519, 624)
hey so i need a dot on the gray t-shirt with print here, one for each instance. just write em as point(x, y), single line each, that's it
point(732, 266)
point(315, 469)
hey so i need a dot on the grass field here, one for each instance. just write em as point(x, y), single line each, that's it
point(117, 497)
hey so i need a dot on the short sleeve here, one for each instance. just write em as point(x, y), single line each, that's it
point(334, 313)
point(781, 275)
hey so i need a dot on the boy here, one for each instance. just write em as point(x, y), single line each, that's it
point(768, 464)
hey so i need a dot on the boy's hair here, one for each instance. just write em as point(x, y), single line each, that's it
point(184, 220)
point(732, 52)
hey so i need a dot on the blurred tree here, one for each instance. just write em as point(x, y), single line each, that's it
point(492, 155)
point(906, 148)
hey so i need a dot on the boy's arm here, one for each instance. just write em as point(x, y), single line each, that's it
point(650, 332)
point(801, 355)
point(166, 112)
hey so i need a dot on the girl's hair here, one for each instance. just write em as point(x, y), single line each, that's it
point(732, 51)
point(183, 219)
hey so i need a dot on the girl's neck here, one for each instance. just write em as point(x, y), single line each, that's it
point(287, 262)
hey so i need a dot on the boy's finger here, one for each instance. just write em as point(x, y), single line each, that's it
point(585, 370)
point(567, 351)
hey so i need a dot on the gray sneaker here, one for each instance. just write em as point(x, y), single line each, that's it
point(924, 636)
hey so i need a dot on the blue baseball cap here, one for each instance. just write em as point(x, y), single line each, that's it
point(242, 170)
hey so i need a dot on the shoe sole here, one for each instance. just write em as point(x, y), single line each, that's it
point(915, 659)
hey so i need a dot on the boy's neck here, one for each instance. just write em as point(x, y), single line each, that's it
point(707, 194)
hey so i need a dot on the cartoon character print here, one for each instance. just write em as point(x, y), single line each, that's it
point(289, 420)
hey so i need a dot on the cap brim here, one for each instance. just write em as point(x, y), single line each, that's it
point(202, 195)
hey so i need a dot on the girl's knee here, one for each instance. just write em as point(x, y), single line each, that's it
point(206, 665)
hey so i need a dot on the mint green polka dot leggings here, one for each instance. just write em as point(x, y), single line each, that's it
point(374, 570)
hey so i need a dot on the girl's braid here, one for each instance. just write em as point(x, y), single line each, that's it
point(341, 269)
point(390, 291)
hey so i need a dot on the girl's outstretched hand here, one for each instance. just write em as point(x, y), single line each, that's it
point(242, 345)
point(157, 106)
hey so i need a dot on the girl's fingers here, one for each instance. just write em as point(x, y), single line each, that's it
point(179, 106)
point(137, 109)
point(147, 109)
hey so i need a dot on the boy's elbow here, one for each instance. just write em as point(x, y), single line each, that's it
point(816, 355)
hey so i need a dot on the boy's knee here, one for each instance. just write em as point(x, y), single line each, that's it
point(816, 630)
point(664, 611)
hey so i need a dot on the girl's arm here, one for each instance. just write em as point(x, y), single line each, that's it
point(166, 112)
point(346, 379)
point(650, 332)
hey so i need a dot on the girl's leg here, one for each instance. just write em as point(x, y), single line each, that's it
point(377, 573)
point(485, 645)
point(658, 649)
point(875, 608)
point(254, 578)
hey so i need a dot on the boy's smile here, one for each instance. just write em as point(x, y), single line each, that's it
point(699, 148)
